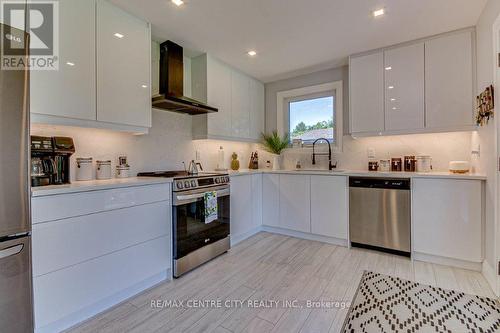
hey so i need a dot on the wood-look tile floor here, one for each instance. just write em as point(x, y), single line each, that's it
point(272, 267)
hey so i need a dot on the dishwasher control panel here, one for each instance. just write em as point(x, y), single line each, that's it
point(373, 182)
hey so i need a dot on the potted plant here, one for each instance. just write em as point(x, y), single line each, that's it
point(275, 144)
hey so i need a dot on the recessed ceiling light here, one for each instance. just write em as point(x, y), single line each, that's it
point(394, 108)
point(144, 86)
point(378, 12)
point(390, 87)
point(178, 2)
point(388, 68)
point(118, 35)
point(70, 63)
point(252, 53)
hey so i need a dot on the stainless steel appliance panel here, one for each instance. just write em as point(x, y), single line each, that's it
point(380, 217)
point(14, 141)
point(15, 286)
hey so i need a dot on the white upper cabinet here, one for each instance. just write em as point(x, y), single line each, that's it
point(367, 93)
point(404, 88)
point(238, 97)
point(123, 67)
point(449, 81)
point(419, 87)
point(219, 96)
point(240, 105)
point(70, 91)
point(257, 109)
point(295, 202)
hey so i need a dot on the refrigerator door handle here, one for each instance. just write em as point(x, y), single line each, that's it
point(11, 251)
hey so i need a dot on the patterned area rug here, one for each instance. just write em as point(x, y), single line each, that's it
point(389, 304)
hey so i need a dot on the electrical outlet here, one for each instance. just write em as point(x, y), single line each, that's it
point(371, 152)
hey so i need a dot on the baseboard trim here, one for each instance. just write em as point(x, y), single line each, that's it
point(304, 235)
point(235, 239)
point(490, 276)
point(470, 265)
point(105, 304)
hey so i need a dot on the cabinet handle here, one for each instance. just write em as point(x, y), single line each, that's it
point(10, 251)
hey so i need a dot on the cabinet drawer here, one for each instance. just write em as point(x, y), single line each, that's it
point(62, 293)
point(63, 206)
point(67, 242)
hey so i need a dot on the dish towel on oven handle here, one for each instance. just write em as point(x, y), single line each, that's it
point(210, 199)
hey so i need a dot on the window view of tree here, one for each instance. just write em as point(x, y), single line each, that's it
point(311, 119)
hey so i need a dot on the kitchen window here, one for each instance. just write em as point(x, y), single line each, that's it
point(311, 113)
point(312, 117)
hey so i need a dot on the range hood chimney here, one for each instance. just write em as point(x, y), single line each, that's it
point(171, 96)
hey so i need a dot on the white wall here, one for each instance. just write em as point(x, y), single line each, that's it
point(168, 144)
point(451, 146)
point(487, 134)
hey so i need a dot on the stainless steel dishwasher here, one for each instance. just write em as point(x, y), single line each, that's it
point(380, 213)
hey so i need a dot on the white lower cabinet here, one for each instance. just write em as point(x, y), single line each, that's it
point(447, 218)
point(114, 244)
point(246, 206)
point(329, 206)
point(271, 200)
point(295, 202)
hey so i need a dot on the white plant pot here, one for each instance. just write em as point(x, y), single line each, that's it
point(276, 162)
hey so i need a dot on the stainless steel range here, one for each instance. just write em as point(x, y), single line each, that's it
point(197, 239)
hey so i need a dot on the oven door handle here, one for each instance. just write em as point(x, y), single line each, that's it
point(183, 199)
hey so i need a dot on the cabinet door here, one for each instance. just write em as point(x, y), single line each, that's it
point(447, 218)
point(70, 91)
point(241, 205)
point(295, 202)
point(367, 93)
point(256, 200)
point(240, 105)
point(404, 88)
point(123, 67)
point(257, 109)
point(219, 96)
point(449, 81)
point(271, 200)
point(329, 206)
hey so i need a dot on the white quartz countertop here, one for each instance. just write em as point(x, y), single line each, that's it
point(363, 173)
point(94, 185)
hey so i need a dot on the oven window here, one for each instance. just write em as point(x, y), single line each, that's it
point(190, 230)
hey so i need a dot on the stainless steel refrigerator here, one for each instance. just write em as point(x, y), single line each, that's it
point(15, 225)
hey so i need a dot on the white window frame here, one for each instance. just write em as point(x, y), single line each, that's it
point(282, 108)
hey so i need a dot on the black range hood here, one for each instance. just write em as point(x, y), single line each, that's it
point(171, 97)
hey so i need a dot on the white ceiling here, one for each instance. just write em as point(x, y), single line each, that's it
point(297, 36)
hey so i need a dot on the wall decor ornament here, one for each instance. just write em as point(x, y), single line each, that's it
point(485, 104)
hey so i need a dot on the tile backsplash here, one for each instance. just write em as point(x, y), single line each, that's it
point(169, 143)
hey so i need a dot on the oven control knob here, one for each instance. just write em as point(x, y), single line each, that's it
point(227, 179)
point(179, 185)
point(186, 184)
point(217, 181)
point(193, 183)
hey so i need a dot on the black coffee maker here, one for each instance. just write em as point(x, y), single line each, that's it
point(50, 163)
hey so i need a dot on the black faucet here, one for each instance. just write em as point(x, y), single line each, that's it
point(330, 165)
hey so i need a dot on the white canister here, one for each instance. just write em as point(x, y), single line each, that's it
point(84, 168)
point(424, 163)
point(103, 169)
point(122, 171)
point(384, 165)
